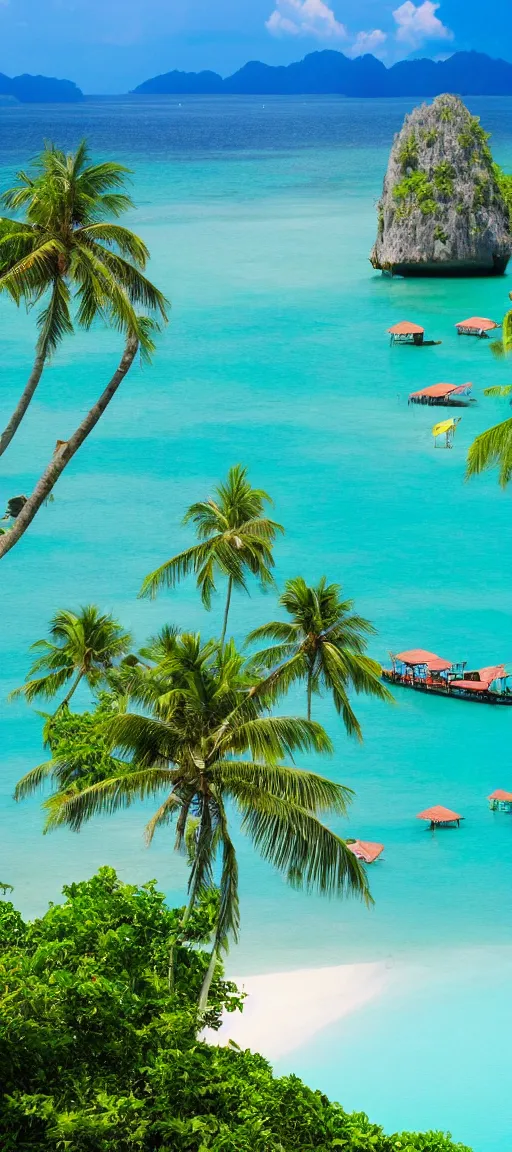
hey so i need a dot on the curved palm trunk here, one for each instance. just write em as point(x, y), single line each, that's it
point(72, 690)
point(205, 990)
point(172, 949)
point(67, 451)
point(226, 611)
point(23, 402)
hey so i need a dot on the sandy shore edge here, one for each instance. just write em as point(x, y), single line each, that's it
point(283, 1010)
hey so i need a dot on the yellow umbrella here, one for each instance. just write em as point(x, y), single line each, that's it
point(444, 426)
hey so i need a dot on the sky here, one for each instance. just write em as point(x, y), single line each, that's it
point(111, 45)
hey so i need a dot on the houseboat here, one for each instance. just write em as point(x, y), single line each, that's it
point(500, 801)
point(406, 332)
point(425, 672)
point(476, 326)
point(444, 395)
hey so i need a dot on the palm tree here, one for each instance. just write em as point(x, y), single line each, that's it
point(323, 645)
point(83, 645)
point(66, 245)
point(68, 254)
point(203, 739)
point(235, 538)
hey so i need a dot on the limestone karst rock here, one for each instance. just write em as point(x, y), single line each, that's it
point(443, 210)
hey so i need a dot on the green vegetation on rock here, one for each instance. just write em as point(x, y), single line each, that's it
point(504, 182)
point(408, 154)
point(418, 191)
point(444, 176)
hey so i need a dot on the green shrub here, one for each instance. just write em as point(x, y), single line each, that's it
point(408, 154)
point(429, 135)
point(480, 194)
point(504, 185)
point(444, 175)
point(418, 191)
point(446, 113)
point(439, 234)
point(97, 1055)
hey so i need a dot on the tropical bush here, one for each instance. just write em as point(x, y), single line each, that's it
point(98, 1055)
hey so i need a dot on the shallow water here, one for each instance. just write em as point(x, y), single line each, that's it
point(260, 217)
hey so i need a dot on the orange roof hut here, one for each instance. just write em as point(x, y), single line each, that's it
point(476, 326)
point(365, 850)
point(406, 333)
point(449, 395)
point(500, 801)
point(439, 815)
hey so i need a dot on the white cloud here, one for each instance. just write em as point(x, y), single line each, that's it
point(416, 24)
point(368, 42)
point(304, 18)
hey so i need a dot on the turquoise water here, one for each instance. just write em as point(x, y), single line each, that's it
point(260, 218)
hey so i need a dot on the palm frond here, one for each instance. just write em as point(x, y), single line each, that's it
point(75, 807)
point(54, 322)
point(492, 449)
point(33, 780)
point(278, 630)
point(309, 790)
point(498, 390)
point(277, 736)
point(165, 814)
point(170, 573)
point(303, 849)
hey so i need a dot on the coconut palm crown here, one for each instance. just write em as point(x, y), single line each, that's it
point(66, 251)
point(323, 645)
point(235, 539)
point(202, 739)
point(83, 645)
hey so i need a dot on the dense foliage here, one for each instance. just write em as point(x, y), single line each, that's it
point(96, 1055)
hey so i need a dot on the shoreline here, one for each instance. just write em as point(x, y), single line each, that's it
point(284, 1010)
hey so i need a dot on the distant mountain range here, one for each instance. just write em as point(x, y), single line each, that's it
point(319, 73)
point(328, 72)
point(39, 90)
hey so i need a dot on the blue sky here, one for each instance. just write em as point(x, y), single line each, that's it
point(112, 45)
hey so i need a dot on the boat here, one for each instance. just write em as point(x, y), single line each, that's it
point(423, 671)
point(406, 332)
point(476, 326)
point(444, 395)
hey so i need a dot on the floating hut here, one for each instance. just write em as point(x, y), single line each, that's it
point(500, 801)
point(365, 850)
point(426, 672)
point(476, 326)
point(444, 395)
point(440, 816)
point(406, 333)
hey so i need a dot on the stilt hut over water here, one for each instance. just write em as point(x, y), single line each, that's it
point(500, 801)
point(444, 395)
point(406, 333)
point(476, 326)
point(439, 816)
point(365, 850)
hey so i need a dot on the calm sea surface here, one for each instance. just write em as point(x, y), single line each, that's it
point(260, 217)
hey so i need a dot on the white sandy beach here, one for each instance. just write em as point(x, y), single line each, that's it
point(284, 1010)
